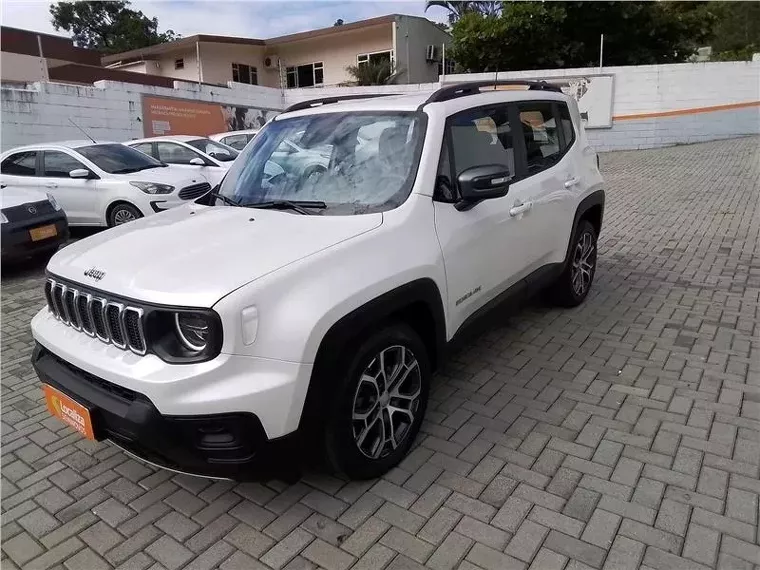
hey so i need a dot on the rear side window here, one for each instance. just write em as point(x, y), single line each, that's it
point(541, 135)
point(237, 142)
point(59, 164)
point(567, 125)
point(147, 148)
point(20, 164)
point(173, 153)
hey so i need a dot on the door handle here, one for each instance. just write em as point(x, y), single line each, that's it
point(570, 182)
point(51, 185)
point(518, 209)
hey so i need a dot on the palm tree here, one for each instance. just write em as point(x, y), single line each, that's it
point(371, 73)
point(459, 8)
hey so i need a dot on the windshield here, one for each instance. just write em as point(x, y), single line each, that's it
point(118, 159)
point(219, 151)
point(353, 162)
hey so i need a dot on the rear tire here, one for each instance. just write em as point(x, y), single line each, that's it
point(381, 398)
point(573, 285)
point(123, 213)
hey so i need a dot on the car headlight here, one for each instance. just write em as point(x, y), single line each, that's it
point(53, 202)
point(153, 187)
point(3, 219)
point(191, 335)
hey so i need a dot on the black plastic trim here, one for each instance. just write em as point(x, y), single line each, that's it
point(473, 88)
point(594, 199)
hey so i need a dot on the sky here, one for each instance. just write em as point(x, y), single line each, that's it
point(247, 18)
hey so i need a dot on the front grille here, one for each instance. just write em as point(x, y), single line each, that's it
point(110, 321)
point(194, 191)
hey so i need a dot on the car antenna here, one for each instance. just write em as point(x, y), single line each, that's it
point(81, 129)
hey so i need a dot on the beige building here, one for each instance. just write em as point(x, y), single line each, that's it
point(413, 45)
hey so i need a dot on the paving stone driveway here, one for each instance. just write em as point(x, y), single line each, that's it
point(622, 434)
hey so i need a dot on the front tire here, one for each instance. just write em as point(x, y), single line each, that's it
point(573, 285)
point(381, 400)
point(123, 213)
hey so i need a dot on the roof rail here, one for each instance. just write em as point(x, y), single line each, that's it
point(474, 87)
point(334, 99)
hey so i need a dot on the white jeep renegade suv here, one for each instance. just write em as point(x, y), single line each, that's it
point(319, 304)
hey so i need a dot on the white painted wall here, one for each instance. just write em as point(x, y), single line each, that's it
point(108, 110)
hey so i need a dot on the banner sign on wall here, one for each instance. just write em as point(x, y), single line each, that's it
point(167, 116)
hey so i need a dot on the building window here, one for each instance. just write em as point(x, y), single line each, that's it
point(242, 73)
point(377, 58)
point(309, 75)
point(448, 69)
point(179, 63)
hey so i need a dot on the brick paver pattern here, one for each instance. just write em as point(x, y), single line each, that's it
point(624, 433)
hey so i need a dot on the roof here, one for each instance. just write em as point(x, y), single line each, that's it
point(190, 41)
point(405, 102)
point(73, 144)
point(332, 30)
point(180, 138)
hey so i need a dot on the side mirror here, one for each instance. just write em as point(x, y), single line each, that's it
point(79, 173)
point(197, 161)
point(482, 183)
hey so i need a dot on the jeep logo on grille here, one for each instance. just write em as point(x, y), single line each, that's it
point(96, 274)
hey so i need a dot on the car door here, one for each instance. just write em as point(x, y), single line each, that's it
point(545, 187)
point(484, 246)
point(20, 169)
point(179, 155)
point(79, 197)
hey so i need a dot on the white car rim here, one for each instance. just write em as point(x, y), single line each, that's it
point(584, 259)
point(386, 401)
point(122, 216)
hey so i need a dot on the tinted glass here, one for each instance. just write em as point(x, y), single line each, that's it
point(147, 148)
point(20, 164)
point(59, 164)
point(237, 142)
point(540, 134)
point(219, 151)
point(117, 158)
point(173, 153)
point(354, 162)
point(482, 137)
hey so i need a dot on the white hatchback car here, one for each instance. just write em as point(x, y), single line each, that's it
point(100, 184)
point(235, 139)
point(197, 155)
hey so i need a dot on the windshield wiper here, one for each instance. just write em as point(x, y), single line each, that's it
point(295, 205)
point(125, 170)
point(224, 198)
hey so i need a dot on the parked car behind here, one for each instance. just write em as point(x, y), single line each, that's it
point(235, 139)
point(32, 223)
point(198, 155)
point(100, 184)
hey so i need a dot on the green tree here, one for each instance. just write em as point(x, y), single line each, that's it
point(459, 8)
point(371, 73)
point(533, 35)
point(111, 26)
point(736, 32)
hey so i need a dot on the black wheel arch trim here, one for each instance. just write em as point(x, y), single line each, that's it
point(347, 329)
point(596, 198)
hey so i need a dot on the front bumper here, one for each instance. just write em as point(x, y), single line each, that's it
point(18, 244)
point(227, 445)
point(166, 404)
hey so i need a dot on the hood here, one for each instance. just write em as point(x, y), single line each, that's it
point(11, 196)
point(195, 255)
point(179, 178)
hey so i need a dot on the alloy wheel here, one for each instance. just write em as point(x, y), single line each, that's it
point(386, 401)
point(584, 261)
point(123, 216)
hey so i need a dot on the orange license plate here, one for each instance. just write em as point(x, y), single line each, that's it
point(69, 411)
point(43, 232)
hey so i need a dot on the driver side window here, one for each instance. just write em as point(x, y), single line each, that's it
point(58, 164)
point(173, 153)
